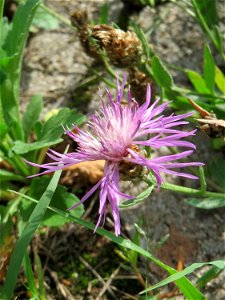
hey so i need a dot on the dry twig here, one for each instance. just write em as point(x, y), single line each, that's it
point(97, 275)
point(108, 283)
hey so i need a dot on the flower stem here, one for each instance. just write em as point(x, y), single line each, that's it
point(56, 15)
point(210, 182)
point(202, 180)
point(186, 190)
point(13, 158)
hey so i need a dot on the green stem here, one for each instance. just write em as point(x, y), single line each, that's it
point(107, 66)
point(1, 12)
point(56, 15)
point(202, 180)
point(186, 190)
point(190, 92)
point(193, 170)
point(15, 160)
point(203, 23)
point(6, 195)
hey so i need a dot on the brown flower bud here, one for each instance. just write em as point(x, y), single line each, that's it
point(123, 48)
point(138, 82)
point(129, 170)
point(79, 19)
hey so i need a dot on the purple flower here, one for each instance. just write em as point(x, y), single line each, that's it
point(116, 134)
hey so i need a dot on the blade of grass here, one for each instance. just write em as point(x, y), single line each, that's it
point(187, 288)
point(31, 286)
point(14, 47)
point(26, 236)
point(40, 276)
point(30, 276)
point(208, 276)
point(1, 12)
point(218, 263)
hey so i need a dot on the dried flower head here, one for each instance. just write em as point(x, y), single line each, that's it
point(123, 48)
point(116, 134)
point(80, 20)
point(138, 82)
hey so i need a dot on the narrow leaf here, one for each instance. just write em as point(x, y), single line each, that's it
point(30, 275)
point(209, 69)
point(1, 13)
point(40, 277)
point(161, 74)
point(208, 11)
point(104, 14)
point(43, 19)
point(189, 290)
point(220, 80)
point(208, 276)
point(141, 197)
point(26, 236)
point(14, 46)
point(206, 203)
point(62, 199)
point(8, 176)
point(145, 45)
point(31, 115)
point(218, 263)
point(197, 81)
point(51, 131)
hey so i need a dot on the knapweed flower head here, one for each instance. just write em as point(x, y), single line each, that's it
point(117, 133)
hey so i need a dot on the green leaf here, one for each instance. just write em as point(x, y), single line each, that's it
point(206, 203)
point(6, 227)
point(31, 115)
point(8, 176)
point(219, 37)
point(43, 19)
point(215, 170)
point(40, 277)
point(208, 11)
point(51, 132)
point(4, 28)
point(26, 236)
point(14, 46)
point(209, 69)
point(61, 200)
point(208, 276)
point(145, 45)
point(30, 275)
point(218, 263)
point(161, 74)
point(141, 197)
point(3, 127)
point(220, 80)
point(2, 2)
point(190, 291)
point(104, 14)
point(197, 81)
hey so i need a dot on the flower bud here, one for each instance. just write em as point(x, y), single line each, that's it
point(138, 82)
point(123, 48)
point(79, 19)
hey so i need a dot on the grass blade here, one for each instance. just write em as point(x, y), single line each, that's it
point(40, 276)
point(1, 12)
point(31, 115)
point(218, 263)
point(26, 236)
point(209, 69)
point(187, 288)
point(14, 46)
point(30, 276)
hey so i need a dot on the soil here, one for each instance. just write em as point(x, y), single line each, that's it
point(54, 65)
